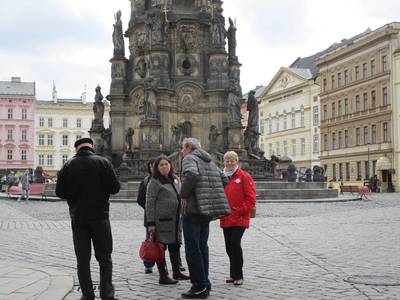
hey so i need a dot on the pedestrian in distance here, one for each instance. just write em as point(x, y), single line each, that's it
point(86, 181)
point(203, 200)
point(25, 184)
point(241, 194)
point(163, 215)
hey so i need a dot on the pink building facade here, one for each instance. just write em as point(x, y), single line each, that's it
point(17, 100)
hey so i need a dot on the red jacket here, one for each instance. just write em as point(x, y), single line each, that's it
point(241, 195)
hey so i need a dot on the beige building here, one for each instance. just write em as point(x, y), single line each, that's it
point(359, 107)
point(58, 124)
point(289, 117)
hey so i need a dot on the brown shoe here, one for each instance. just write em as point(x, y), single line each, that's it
point(164, 278)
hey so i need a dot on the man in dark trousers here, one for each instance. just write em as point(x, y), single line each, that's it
point(86, 181)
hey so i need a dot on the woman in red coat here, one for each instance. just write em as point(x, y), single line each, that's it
point(241, 194)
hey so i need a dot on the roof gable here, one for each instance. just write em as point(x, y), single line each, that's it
point(287, 78)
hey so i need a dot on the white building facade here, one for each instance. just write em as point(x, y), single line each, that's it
point(58, 124)
point(289, 118)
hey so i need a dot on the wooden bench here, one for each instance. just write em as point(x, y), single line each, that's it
point(362, 191)
point(34, 189)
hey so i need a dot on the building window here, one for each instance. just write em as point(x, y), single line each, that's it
point(339, 108)
point(285, 122)
point(10, 135)
point(333, 81)
point(373, 134)
point(333, 110)
point(65, 123)
point(365, 70)
point(64, 158)
point(325, 112)
point(358, 108)
point(23, 155)
point(346, 77)
point(10, 114)
point(316, 143)
point(367, 170)
point(293, 120)
point(365, 97)
point(339, 79)
point(374, 162)
point(385, 132)
point(333, 141)
point(65, 140)
point(384, 63)
point(366, 139)
point(278, 150)
point(303, 146)
point(50, 122)
point(24, 135)
point(293, 147)
point(373, 67)
point(50, 140)
point(277, 123)
point(340, 142)
point(49, 159)
point(334, 171)
point(285, 148)
point(78, 123)
point(385, 96)
point(357, 71)
point(41, 160)
point(340, 171)
point(41, 139)
point(346, 138)
point(9, 154)
point(270, 125)
point(373, 99)
point(24, 114)
point(41, 122)
point(302, 122)
point(315, 116)
point(358, 137)
point(325, 142)
point(270, 149)
point(359, 170)
point(324, 84)
point(346, 106)
point(347, 171)
point(261, 127)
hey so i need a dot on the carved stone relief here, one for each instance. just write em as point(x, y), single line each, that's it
point(141, 67)
point(117, 70)
point(187, 64)
point(138, 101)
point(188, 99)
point(188, 34)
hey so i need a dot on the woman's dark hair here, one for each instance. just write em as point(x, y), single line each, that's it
point(156, 172)
point(149, 163)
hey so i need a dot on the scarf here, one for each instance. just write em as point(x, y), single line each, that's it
point(229, 174)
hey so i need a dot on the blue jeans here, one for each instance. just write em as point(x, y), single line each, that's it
point(195, 232)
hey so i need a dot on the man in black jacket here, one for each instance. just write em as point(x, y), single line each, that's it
point(86, 181)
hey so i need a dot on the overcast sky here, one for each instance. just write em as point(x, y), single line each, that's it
point(69, 41)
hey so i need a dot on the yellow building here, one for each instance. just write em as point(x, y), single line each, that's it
point(58, 124)
point(359, 107)
point(289, 117)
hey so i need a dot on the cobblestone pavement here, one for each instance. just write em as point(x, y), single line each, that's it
point(292, 251)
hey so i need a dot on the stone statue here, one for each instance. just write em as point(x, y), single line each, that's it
point(129, 139)
point(318, 174)
point(118, 38)
point(250, 141)
point(232, 39)
point(106, 136)
point(213, 137)
point(150, 99)
point(98, 107)
point(252, 108)
point(234, 103)
point(176, 136)
point(291, 173)
point(218, 29)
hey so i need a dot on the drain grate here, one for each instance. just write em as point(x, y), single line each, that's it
point(373, 280)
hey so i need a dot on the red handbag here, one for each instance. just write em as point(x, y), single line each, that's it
point(152, 251)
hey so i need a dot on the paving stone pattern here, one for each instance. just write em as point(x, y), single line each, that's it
point(292, 251)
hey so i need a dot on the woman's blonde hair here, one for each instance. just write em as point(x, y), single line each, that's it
point(232, 155)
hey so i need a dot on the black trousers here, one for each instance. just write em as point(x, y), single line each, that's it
point(233, 238)
point(84, 234)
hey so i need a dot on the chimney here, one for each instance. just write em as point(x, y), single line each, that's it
point(15, 79)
